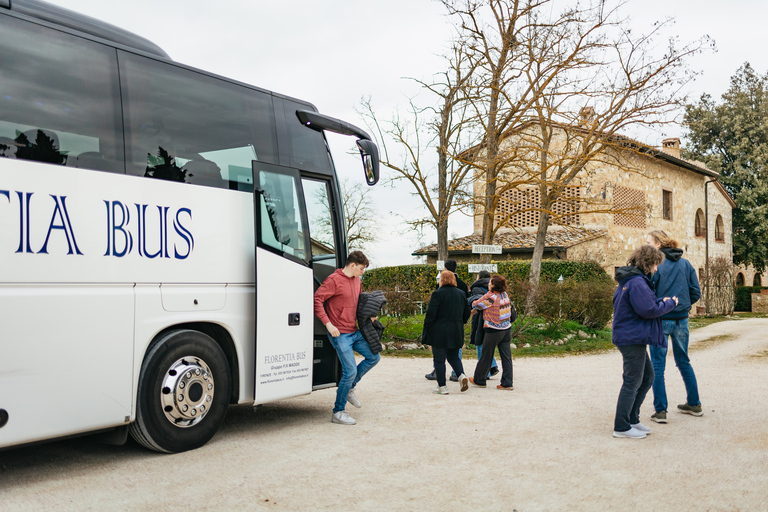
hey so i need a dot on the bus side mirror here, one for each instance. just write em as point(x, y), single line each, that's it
point(370, 154)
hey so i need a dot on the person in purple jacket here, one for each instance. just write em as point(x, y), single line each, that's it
point(637, 323)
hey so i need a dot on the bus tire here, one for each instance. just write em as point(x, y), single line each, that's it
point(183, 392)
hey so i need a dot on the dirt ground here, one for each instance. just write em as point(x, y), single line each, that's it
point(547, 446)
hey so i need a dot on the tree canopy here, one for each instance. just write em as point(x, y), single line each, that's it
point(731, 137)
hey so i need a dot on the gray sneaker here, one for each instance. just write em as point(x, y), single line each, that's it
point(640, 427)
point(659, 417)
point(440, 390)
point(342, 418)
point(632, 433)
point(352, 399)
point(693, 410)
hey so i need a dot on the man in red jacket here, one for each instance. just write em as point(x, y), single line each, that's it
point(339, 292)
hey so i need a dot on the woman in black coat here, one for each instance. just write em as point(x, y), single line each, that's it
point(447, 313)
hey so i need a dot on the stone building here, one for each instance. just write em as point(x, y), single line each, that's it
point(638, 188)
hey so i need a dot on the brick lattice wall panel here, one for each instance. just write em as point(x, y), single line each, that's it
point(514, 202)
point(624, 197)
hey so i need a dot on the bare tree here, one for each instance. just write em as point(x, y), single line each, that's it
point(440, 187)
point(360, 216)
point(536, 69)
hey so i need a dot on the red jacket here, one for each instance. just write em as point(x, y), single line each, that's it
point(340, 294)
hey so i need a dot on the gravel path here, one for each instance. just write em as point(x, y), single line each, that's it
point(546, 445)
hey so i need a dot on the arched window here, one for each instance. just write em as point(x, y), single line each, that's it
point(757, 280)
point(739, 279)
point(719, 229)
point(699, 225)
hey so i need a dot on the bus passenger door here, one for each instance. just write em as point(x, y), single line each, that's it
point(284, 285)
point(325, 258)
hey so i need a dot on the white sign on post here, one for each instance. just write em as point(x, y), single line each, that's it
point(440, 265)
point(486, 249)
point(474, 268)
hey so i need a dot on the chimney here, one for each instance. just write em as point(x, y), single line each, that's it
point(587, 116)
point(671, 146)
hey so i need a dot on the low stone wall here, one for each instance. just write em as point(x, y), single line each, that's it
point(760, 302)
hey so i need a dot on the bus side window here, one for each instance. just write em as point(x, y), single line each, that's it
point(188, 127)
point(281, 214)
point(60, 100)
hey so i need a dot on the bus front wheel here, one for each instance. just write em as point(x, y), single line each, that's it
point(183, 393)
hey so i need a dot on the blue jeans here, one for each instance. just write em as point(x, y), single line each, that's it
point(346, 344)
point(638, 378)
point(677, 331)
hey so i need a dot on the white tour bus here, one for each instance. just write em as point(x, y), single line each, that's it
point(162, 231)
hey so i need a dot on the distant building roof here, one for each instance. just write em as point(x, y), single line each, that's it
point(518, 242)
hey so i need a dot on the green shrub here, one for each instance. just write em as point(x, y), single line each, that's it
point(584, 296)
point(590, 303)
point(744, 297)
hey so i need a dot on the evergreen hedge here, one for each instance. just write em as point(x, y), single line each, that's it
point(744, 297)
point(407, 285)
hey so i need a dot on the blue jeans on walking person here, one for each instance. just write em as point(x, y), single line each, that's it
point(346, 344)
point(637, 380)
point(677, 333)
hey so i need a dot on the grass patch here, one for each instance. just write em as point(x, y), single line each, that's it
point(544, 339)
point(703, 321)
point(763, 354)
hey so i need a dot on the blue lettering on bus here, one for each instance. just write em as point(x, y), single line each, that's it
point(24, 233)
point(183, 233)
point(120, 232)
point(66, 225)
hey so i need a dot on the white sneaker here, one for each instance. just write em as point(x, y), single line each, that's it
point(440, 390)
point(641, 427)
point(632, 433)
point(464, 381)
point(342, 418)
point(352, 398)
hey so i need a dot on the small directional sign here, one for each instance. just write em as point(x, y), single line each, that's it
point(474, 268)
point(486, 249)
point(440, 265)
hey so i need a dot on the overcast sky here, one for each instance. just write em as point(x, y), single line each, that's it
point(334, 52)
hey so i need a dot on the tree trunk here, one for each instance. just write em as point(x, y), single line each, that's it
point(442, 239)
point(538, 254)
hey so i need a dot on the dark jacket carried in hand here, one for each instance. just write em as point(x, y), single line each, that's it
point(636, 310)
point(447, 313)
point(677, 278)
point(477, 290)
point(369, 305)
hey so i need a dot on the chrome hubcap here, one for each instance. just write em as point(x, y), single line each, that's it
point(187, 391)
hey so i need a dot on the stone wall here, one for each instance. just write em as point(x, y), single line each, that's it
point(760, 303)
point(639, 175)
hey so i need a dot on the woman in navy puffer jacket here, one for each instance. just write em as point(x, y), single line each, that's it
point(637, 323)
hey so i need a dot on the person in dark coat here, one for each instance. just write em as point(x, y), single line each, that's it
point(447, 313)
point(637, 323)
point(461, 285)
point(675, 277)
point(477, 290)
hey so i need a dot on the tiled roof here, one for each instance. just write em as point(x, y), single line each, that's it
point(562, 238)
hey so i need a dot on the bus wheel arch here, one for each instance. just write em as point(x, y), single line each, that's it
point(183, 392)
